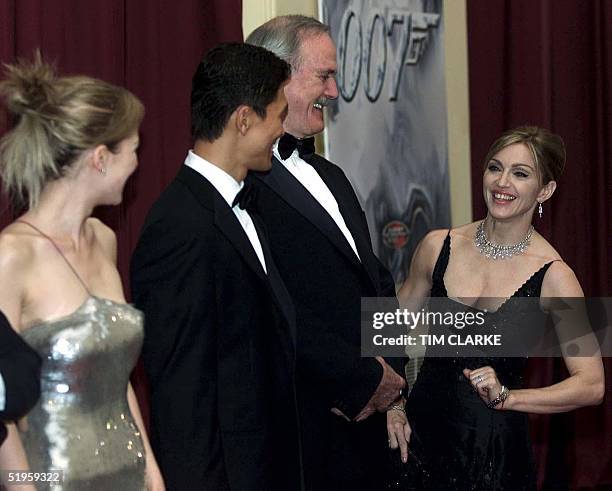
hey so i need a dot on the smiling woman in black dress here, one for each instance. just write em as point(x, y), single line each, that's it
point(470, 414)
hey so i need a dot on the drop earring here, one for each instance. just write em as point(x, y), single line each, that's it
point(540, 209)
point(103, 171)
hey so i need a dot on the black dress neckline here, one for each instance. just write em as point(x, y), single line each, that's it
point(531, 287)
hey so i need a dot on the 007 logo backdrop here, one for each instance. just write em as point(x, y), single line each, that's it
point(388, 128)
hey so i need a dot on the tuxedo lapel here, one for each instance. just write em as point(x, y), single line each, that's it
point(224, 218)
point(353, 219)
point(226, 221)
point(283, 298)
point(282, 182)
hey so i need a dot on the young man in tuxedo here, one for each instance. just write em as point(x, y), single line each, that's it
point(219, 347)
point(19, 376)
point(320, 242)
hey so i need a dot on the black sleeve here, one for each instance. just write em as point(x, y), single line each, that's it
point(20, 369)
point(170, 269)
point(345, 379)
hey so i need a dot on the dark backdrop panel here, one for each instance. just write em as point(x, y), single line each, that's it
point(549, 63)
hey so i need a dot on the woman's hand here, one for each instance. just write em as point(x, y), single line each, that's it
point(485, 382)
point(399, 430)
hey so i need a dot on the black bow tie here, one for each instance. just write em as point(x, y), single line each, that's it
point(245, 198)
point(288, 143)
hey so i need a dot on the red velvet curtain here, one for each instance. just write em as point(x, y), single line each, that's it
point(549, 63)
point(165, 40)
point(152, 47)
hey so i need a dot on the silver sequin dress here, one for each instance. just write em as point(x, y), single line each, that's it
point(82, 424)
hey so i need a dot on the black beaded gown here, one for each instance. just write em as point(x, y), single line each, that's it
point(457, 442)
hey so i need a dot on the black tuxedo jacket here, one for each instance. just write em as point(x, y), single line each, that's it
point(219, 347)
point(20, 370)
point(326, 282)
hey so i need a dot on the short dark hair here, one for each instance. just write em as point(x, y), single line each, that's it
point(230, 75)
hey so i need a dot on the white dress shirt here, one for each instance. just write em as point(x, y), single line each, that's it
point(228, 188)
point(311, 180)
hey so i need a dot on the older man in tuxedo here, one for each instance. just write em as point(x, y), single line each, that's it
point(320, 242)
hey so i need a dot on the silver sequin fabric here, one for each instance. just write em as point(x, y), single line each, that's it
point(82, 424)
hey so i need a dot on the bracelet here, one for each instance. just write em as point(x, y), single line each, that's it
point(500, 399)
point(398, 406)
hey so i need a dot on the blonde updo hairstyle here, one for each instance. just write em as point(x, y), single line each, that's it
point(58, 118)
point(547, 150)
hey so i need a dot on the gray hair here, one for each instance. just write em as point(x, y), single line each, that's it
point(284, 35)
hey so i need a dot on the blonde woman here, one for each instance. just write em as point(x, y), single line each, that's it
point(72, 149)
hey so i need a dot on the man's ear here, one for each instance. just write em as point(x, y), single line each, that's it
point(243, 118)
point(547, 191)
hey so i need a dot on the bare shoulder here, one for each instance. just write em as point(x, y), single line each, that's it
point(418, 281)
point(464, 234)
point(431, 245)
point(544, 249)
point(433, 240)
point(561, 281)
point(429, 249)
point(17, 249)
point(102, 235)
point(100, 229)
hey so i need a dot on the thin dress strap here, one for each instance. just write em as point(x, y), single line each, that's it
point(438, 289)
point(59, 251)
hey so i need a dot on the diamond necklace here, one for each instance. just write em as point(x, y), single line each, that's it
point(496, 251)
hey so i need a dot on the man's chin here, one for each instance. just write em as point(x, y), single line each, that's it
point(315, 129)
point(262, 166)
